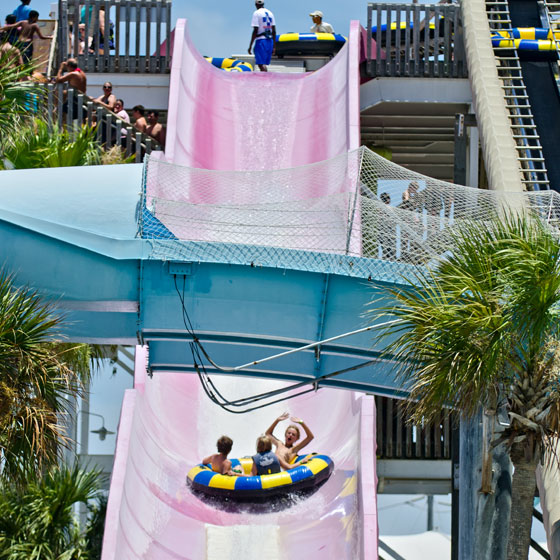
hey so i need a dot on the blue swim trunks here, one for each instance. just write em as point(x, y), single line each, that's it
point(263, 51)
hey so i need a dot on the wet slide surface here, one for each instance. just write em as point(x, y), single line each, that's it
point(173, 425)
point(252, 120)
point(223, 121)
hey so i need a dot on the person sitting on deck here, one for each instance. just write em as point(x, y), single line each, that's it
point(288, 449)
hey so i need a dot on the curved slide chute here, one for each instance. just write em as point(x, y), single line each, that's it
point(247, 121)
point(167, 425)
point(256, 121)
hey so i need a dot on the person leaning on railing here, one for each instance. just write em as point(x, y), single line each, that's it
point(70, 74)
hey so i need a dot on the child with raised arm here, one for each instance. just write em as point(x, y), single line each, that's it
point(219, 461)
point(288, 449)
point(27, 29)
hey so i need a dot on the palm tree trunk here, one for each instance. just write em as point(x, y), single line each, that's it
point(523, 495)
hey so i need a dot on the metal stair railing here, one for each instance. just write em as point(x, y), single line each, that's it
point(552, 11)
point(534, 544)
point(523, 128)
point(110, 130)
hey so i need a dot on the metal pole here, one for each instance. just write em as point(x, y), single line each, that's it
point(430, 526)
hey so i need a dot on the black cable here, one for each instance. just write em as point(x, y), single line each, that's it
point(213, 392)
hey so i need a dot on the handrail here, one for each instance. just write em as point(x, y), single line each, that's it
point(52, 50)
point(534, 544)
point(82, 109)
point(130, 36)
point(415, 40)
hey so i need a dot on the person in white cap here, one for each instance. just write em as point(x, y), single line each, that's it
point(320, 26)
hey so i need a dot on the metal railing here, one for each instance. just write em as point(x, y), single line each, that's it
point(399, 439)
point(415, 40)
point(67, 108)
point(129, 36)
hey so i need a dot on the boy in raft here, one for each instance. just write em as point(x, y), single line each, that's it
point(265, 461)
point(288, 449)
point(219, 461)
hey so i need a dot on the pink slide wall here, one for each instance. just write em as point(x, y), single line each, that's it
point(223, 121)
point(241, 121)
point(168, 424)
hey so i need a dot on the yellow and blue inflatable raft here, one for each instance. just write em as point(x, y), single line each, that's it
point(525, 39)
point(302, 44)
point(230, 64)
point(312, 473)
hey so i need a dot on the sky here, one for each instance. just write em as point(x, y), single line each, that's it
point(219, 29)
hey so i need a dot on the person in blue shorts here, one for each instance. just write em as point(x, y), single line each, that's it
point(264, 35)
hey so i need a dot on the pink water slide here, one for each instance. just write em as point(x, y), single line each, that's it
point(239, 122)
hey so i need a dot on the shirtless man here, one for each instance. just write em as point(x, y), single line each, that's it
point(154, 128)
point(288, 449)
point(27, 29)
point(140, 123)
point(69, 72)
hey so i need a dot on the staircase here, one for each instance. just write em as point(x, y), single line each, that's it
point(552, 11)
point(523, 128)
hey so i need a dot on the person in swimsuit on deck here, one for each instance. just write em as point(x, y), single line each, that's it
point(288, 449)
point(27, 30)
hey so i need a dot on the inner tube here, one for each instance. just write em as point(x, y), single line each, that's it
point(409, 27)
point(531, 33)
point(525, 39)
point(302, 44)
point(230, 64)
point(248, 488)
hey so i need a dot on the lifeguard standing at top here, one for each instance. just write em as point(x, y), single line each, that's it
point(264, 35)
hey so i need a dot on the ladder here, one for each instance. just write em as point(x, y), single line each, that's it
point(552, 11)
point(523, 128)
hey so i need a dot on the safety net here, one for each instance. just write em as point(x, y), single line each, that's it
point(357, 214)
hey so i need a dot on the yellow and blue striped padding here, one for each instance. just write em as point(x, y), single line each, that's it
point(312, 44)
point(525, 39)
point(403, 25)
point(315, 471)
point(230, 64)
point(287, 37)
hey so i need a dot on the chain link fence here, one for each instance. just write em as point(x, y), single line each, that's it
point(357, 214)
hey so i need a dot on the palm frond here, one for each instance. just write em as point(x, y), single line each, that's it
point(480, 321)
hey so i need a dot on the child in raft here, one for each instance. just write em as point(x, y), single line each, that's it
point(265, 461)
point(219, 461)
point(288, 449)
